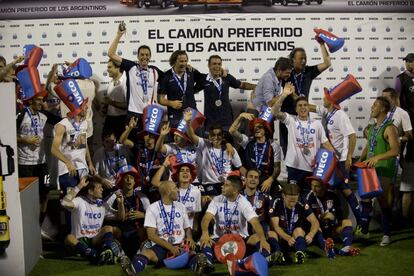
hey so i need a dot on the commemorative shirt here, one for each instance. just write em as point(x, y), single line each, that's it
point(191, 198)
point(31, 125)
point(216, 162)
point(108, 163)
point(289, 219)
point(141, 85)
point(338, 127)
point(87, 217)
point(177, 220)
point(308, 134)
point(232, 216)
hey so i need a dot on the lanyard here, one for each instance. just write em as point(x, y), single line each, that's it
point(303, 133)
point(178, 81)
point(227, 218)
point(330, 115)
point(143, 74)
point(259, 159)
point(149, 163)
point(168, 224)
point(216, 161)
point(218, 85)
point(374, 134)
point(186, 196)
point(256, 198)
point(34, 120)
point(298, 85)
point(76, 126)
point(290, 222)
point(320, 205)
point(112, 160)
point(389, 117)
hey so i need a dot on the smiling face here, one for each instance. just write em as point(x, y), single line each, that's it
point(144, 56)
point(376, 109)
point(299, 60)
point(215, 137)
point(36, 104)
point(112, 70)
point(180, 64)
point(259, 131)
point(96, 192)
point(252, 179)
point(215, 67)
point(302, 108)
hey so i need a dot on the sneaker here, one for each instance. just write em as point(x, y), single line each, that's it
point(349, 251)
point(127, 266)
point(106, 257)
point(329, 248)
point(299, 257)
point(276, 258)
point(386, 240)
point(358, 234)
point(202, 265)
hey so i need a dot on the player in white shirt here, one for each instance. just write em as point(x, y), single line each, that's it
point(231, 212)
point(109, 158)
point(88, 213)
point(184, 174)
point(115, 100)
point(168, 228)
point(342, 136)
point(217, 162)
point(306, 137)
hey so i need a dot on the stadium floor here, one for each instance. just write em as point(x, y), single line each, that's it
point(396, 259)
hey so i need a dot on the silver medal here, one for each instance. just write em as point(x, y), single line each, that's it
point(218, 102)
point(147, 178)
point(306, 151)
point(171, 240)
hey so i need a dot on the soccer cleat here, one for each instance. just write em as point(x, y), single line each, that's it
point(386, 240)
point(202, 265)
point(106, 257)
point(276, 258)
point(358, 234)
point(329, 248)
point(127, 266)
point(349, 251)
point(299, 257)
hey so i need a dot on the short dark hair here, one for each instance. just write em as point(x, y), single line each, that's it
point(106, 132)
point(91, 186)
point(213, 56)
point(144, 47)
point(215, 126)
point(236, 182)
point(300, 98)
point(391, 90)
point(294, 51)
point(253, 170)
point(385, 103)
point(283, 64)
point(291, 189)
point(174, 56)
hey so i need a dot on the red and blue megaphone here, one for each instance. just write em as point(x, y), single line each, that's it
point(152, 118)
point(32, 55)
point(197, 120)
point(333, 42)
point(177, 262)
point(29, 81)
point(80, 69)
point(325, 166)
point(255, 264)
point(369, 185)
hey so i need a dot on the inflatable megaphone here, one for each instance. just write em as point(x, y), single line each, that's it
point(255, 264)
point(333, 42)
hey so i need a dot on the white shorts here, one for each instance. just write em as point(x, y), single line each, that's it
point(407, 177)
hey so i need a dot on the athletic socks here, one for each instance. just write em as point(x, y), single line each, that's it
point(274, 245)
point(320, 240)
point(353, 203)
point(347, 236)
point(208, 251)
point(366, 216)
point(85, 251)
point(107, 240)
point(139, 263)
point(300, 244)
point(386, 220)
point(264, 252)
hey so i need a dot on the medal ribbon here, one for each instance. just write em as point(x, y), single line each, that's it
point(178, 81)
point(374, 135)
point(290, 222)
point(218, 85)
point(227, 218)
point(76, 126)
point(34, 120)
point(298, 85)
point(186, 196)
point(259, 159)
point(168, 224)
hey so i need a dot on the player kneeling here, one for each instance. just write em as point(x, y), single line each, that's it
point(287, 218)
point(87, 213)
point(326, 206)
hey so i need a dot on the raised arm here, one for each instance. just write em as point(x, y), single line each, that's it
point(234, 128)
point(159, 146)
point(326, 58)
point(128, 128)
point(67, 201)
point(188, 114)
point(289, 89)
point(114, 45)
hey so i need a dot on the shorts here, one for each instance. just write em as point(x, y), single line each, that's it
point(160, 251)
point(407, 177)
point(39, 171)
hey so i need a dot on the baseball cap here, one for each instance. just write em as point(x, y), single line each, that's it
point(409, 57)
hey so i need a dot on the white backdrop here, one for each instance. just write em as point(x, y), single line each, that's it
point(373, 51)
